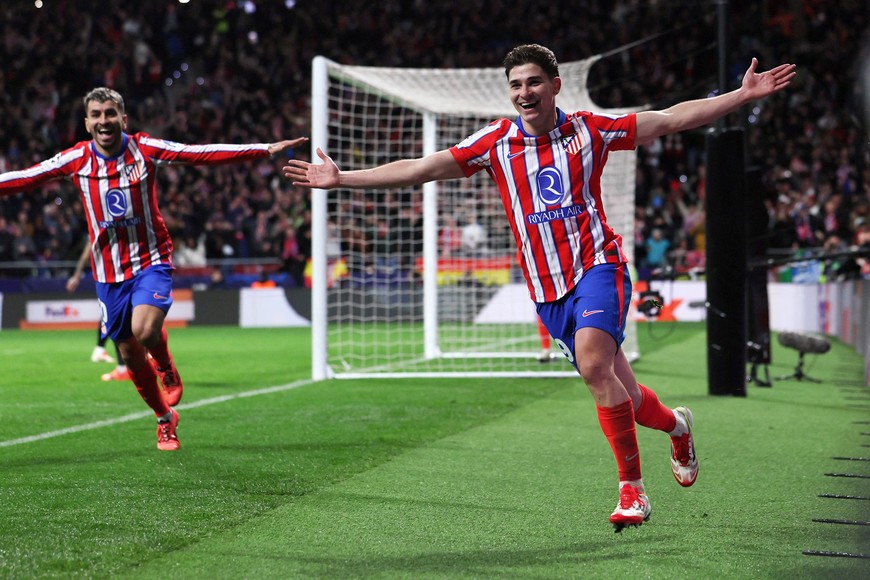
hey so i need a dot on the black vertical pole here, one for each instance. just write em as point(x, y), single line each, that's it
point(726, 268)
point(726, 251)
point(722, 13)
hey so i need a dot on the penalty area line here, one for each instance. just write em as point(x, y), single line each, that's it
point(146, 414)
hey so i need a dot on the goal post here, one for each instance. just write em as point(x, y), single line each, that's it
point(423, 281)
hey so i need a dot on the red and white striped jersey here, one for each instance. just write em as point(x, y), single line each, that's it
point(550, 187)
point(119, 195)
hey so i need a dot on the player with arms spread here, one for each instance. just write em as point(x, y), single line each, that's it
point(130, 246)
point(547, 165)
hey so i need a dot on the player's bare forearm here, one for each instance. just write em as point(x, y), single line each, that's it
point(327, 175)
point(686, 115)
point(405, 172)
point(396, 174)
point(697, 113)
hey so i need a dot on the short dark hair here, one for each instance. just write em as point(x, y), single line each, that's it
point(102, 95)
point(532, 54)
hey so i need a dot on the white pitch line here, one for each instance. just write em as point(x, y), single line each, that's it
point(146, 414)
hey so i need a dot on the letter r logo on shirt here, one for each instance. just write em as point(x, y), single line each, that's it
point(550, 188)
point(116, 203)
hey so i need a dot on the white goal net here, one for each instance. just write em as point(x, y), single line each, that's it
point(424, 281)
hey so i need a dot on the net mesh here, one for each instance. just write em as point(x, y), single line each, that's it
point(486, 323)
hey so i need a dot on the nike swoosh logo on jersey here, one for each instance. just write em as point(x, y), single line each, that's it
point(591, 312)
point(512, 155)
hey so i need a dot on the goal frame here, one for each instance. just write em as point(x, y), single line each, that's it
point(321, 369)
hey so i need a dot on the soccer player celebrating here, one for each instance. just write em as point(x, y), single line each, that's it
point(547, 165)
point(130, 246)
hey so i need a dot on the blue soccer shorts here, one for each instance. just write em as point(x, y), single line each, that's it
point(151, 286)
point(599, 300)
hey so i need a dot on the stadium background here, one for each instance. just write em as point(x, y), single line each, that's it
point(240, 72)
point(405, 479)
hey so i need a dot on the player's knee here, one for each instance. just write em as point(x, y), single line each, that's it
point(147, 334)
point(593, 372)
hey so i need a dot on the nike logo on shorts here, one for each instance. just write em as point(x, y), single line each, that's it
point(591, 312)
point(159, 297)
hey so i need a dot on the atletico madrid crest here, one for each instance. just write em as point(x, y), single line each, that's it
point(132, 172)
point(572, 144)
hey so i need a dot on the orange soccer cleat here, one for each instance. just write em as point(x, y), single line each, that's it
point(117, 375)
point(167, 440)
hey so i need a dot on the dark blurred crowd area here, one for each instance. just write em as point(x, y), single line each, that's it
point(239, 71)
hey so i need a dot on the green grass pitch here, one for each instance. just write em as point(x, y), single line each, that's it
point(279, 477)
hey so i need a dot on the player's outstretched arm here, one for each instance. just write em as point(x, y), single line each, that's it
point(696, 113)
point(282, 146)
point(759, 85)
point(327, 175)
point(323, 175)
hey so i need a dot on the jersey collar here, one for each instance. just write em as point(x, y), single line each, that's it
point(561, 117)
point(124, 140)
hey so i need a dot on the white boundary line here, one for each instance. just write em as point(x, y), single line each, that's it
point(146, 414)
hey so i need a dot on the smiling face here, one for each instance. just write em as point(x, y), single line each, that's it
point(105, 121)
point(533, 95)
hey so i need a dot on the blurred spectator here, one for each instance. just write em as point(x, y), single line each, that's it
point(472, 236)
point(657, 247)
point(292, 258)
point(25, 248)
point(7, 242)
point(216, 279)
point(263, 281)
point(450, 236)
point(333, 239)
point(189, 252)
point(781, 228)
point(208, 72)
point(407, 230)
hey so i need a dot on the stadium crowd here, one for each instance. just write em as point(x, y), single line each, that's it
point(239, 71)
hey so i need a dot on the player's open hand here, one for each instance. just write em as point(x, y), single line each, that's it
point(282, 146)
point(759, 85)
point(73, 282)
point(323, 175)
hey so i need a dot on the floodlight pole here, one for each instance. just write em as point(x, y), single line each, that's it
point(722, 10)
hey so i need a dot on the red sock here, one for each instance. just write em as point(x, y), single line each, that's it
point(160, 352)
point(618, 426)
point(146, 383)
point(652, 413)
